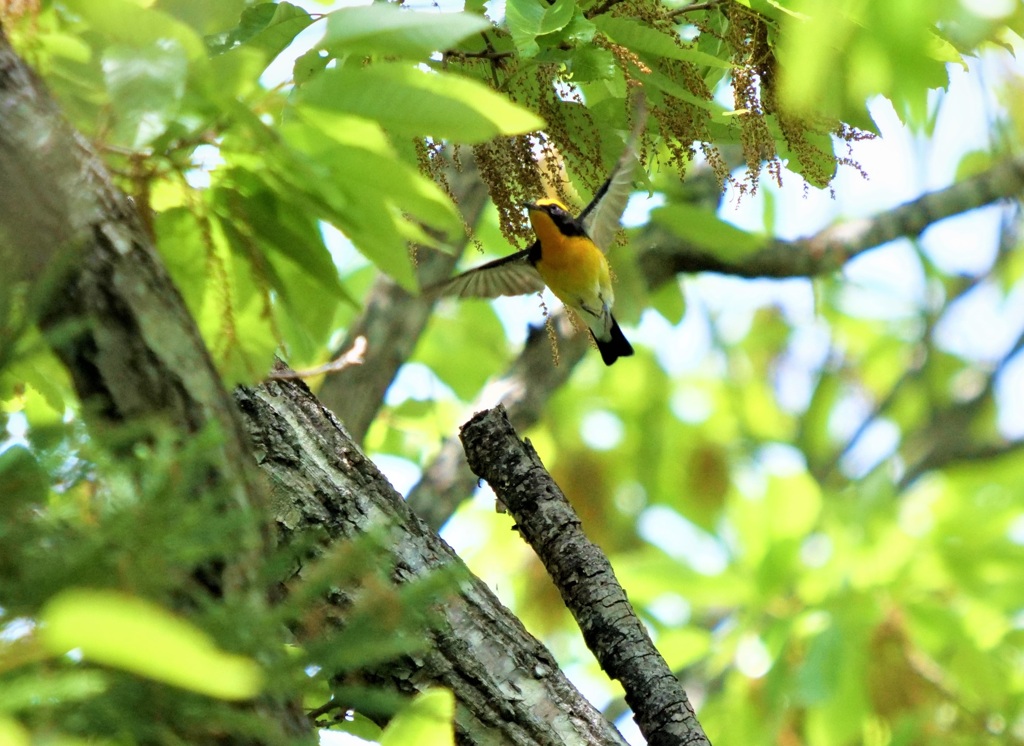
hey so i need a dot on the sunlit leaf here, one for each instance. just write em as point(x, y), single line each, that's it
point(131, 23)
point(126, 632)
point(413, 102)
point(13, 733)
point(386, 29)
point(146, 86)
point(268, 27)
point(708, 231)
point(528, 19)
point(426, 720)
point(643, 38)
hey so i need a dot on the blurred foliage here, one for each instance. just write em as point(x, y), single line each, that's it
point(818, 514)
point(97, 569)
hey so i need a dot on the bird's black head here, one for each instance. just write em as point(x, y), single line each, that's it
point(559, 214)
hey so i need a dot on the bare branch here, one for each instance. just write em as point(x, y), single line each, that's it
point(583, 576)
point(352, 356)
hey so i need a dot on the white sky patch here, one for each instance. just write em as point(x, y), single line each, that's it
point(16, 629)
point(967, 243)
point(991, 9)
point(638, 209)
point(796, 371)
point(982, 325)
point(670, 609)
point(680, 348)
point(205, 159)
point(601, 430)
point(782, 459)
point(338, 738)
point(678, 537)
point(892, 276)
point(878, 441)
point(402, 473)
point(418, 382)
point(752, 657)
point(1016, 530)
point(691, 405)
point(1011, 404)
point(816, 550)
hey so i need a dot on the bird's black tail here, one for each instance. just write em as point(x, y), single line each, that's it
point(616, 346)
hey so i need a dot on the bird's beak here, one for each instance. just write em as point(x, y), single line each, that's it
point(531, 206)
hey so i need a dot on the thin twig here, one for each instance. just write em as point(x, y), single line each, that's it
point(352, 356)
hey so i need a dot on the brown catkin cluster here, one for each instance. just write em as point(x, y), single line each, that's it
point(508, 166)
point(680, 104)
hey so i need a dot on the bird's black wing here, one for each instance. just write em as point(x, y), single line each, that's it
point(600, 219)
point(511, 275)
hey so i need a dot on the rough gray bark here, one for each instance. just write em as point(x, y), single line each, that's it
point(508, 688)
point(584, 577)
point(113, 316)
point(112, 313)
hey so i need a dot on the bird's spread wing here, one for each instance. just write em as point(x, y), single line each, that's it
point(510, 275)
point(601, 217)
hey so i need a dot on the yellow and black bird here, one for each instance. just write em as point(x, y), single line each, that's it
point(568, 256)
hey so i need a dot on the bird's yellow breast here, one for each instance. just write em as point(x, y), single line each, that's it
point(572, 266)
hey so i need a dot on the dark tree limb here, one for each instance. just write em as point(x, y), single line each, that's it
point(584, 578)
point(112, 314)
point(508, 687)
point(666, 255)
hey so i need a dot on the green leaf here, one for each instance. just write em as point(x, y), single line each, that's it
point(708, 231)
point(202, 15)
point(13, 733)
point(392, 30)
point(309, 64)
point(26, 691)
point(590, 63)
point(814, 439)
point(466, 347)
point(379, 215)
point(663, 82)
point(411, 102)
point(669, 301)
point(268, 27)
point(131, 23)
point(427, 720)
point(276, 220)
point(24, 480)
point(357, 146)
point(134, 635)
point(146, 84)
point(793, 505)
point(528, 19)
point(640, 37)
